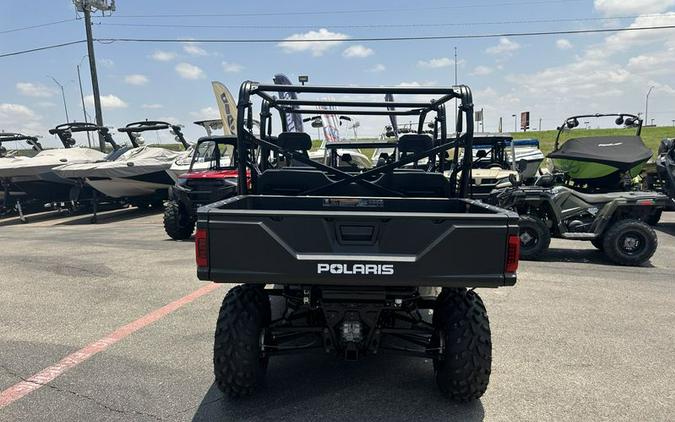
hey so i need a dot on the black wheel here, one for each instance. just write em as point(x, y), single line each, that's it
point(177, 223)
point(654, 218)
point(630, 242)
point(534, 237)
point(237, 362)
point(462, 328)
point(598, 243)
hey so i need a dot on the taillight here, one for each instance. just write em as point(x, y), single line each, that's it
point(646, 202)
point(202, 248)
point(512, 254)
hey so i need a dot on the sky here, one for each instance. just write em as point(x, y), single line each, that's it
point(552, 76)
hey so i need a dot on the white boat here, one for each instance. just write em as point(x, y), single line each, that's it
point(141, 175)
point(35, 175)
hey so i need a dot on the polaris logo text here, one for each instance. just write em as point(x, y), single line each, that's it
point(352, 269)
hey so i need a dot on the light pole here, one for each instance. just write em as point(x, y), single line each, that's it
point(84, 108)
point(63, 96)
point(647, 103)
point(515, 123)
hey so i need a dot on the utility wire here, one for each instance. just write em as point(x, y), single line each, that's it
point(41, 25)
point(403, 25)
point(360, 39)
point(345, 12)
point(47, 47)
point(376, 39)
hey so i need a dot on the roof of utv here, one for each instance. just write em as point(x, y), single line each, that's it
point(294, 146)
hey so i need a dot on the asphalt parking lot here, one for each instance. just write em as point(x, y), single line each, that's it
point(576, 339)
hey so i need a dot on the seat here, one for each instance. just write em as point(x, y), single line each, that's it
point(603, 198)
point(298, 142)
point(290, 182)
point(417, 183)
point(411, 144)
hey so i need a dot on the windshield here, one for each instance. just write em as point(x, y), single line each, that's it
point(212, 155)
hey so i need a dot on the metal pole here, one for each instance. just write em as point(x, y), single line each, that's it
point(84, 108)
point(455, 111)
point(63, 96)
point(515, 123)
point(94, 75)
point(647, 104)
point(540, 124)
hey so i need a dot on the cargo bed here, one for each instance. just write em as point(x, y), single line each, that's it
point(355, 241)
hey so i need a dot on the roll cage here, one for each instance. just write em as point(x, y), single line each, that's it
point(133, 129)
point(256, 152)
point(627, 119)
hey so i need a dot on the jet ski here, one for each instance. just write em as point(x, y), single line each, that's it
point(601, 162)
point(35, 175)
point(140, 175)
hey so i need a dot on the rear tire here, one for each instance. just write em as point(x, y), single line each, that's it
point(535, 237)
point(237, 363)
point(654, 218)
point(463, 369)
point(598, 243)
point(177, 224)
point(630, 242)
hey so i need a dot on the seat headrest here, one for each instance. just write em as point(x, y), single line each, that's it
point(414, 143)
point(295, 141)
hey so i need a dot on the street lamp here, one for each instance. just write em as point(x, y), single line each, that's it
point(647, 103)
point(63, 95)
point(515, 123)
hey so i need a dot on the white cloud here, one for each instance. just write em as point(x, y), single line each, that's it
point(505, 46)
point(107, 101)
point(152, 106)
point(232, 67)
point(206, 113)
point(563, 44)
point(189, 71)
point(30, 89)
point(45, 104)
point(357, 51)
point(436, 63)
point(19, 118)
point(163, 56)
point(481, 71)
point(106, 62)
point(631, 7)
point(8, 110)
point(377, 68)
point(136, 79)
point(299, 42)
point(194, 50)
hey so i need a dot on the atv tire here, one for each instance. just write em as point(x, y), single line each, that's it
point(654, 218)
point(535, 237)
point(237, 362)
point(177, 224)
point(598, 243)
point(462, 328)
point(630, 242)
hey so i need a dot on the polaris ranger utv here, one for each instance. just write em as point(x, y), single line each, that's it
point(200, 186)
point(351, 253)
point(616, 222)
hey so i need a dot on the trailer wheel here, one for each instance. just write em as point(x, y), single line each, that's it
point(177, 224)
point(462, 329)
point(237, 362)
point(630, 242)
point(534, 237)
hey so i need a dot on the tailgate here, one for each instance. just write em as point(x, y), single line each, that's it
point(303, 241)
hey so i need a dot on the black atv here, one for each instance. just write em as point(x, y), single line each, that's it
point(662, 178)
point(350, 254)
point(212, 176)
point(615, 223)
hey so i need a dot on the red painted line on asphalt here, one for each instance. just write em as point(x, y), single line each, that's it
point(48, 374)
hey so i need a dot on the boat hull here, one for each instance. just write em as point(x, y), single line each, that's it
point(588, 170)
point(152, 184)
